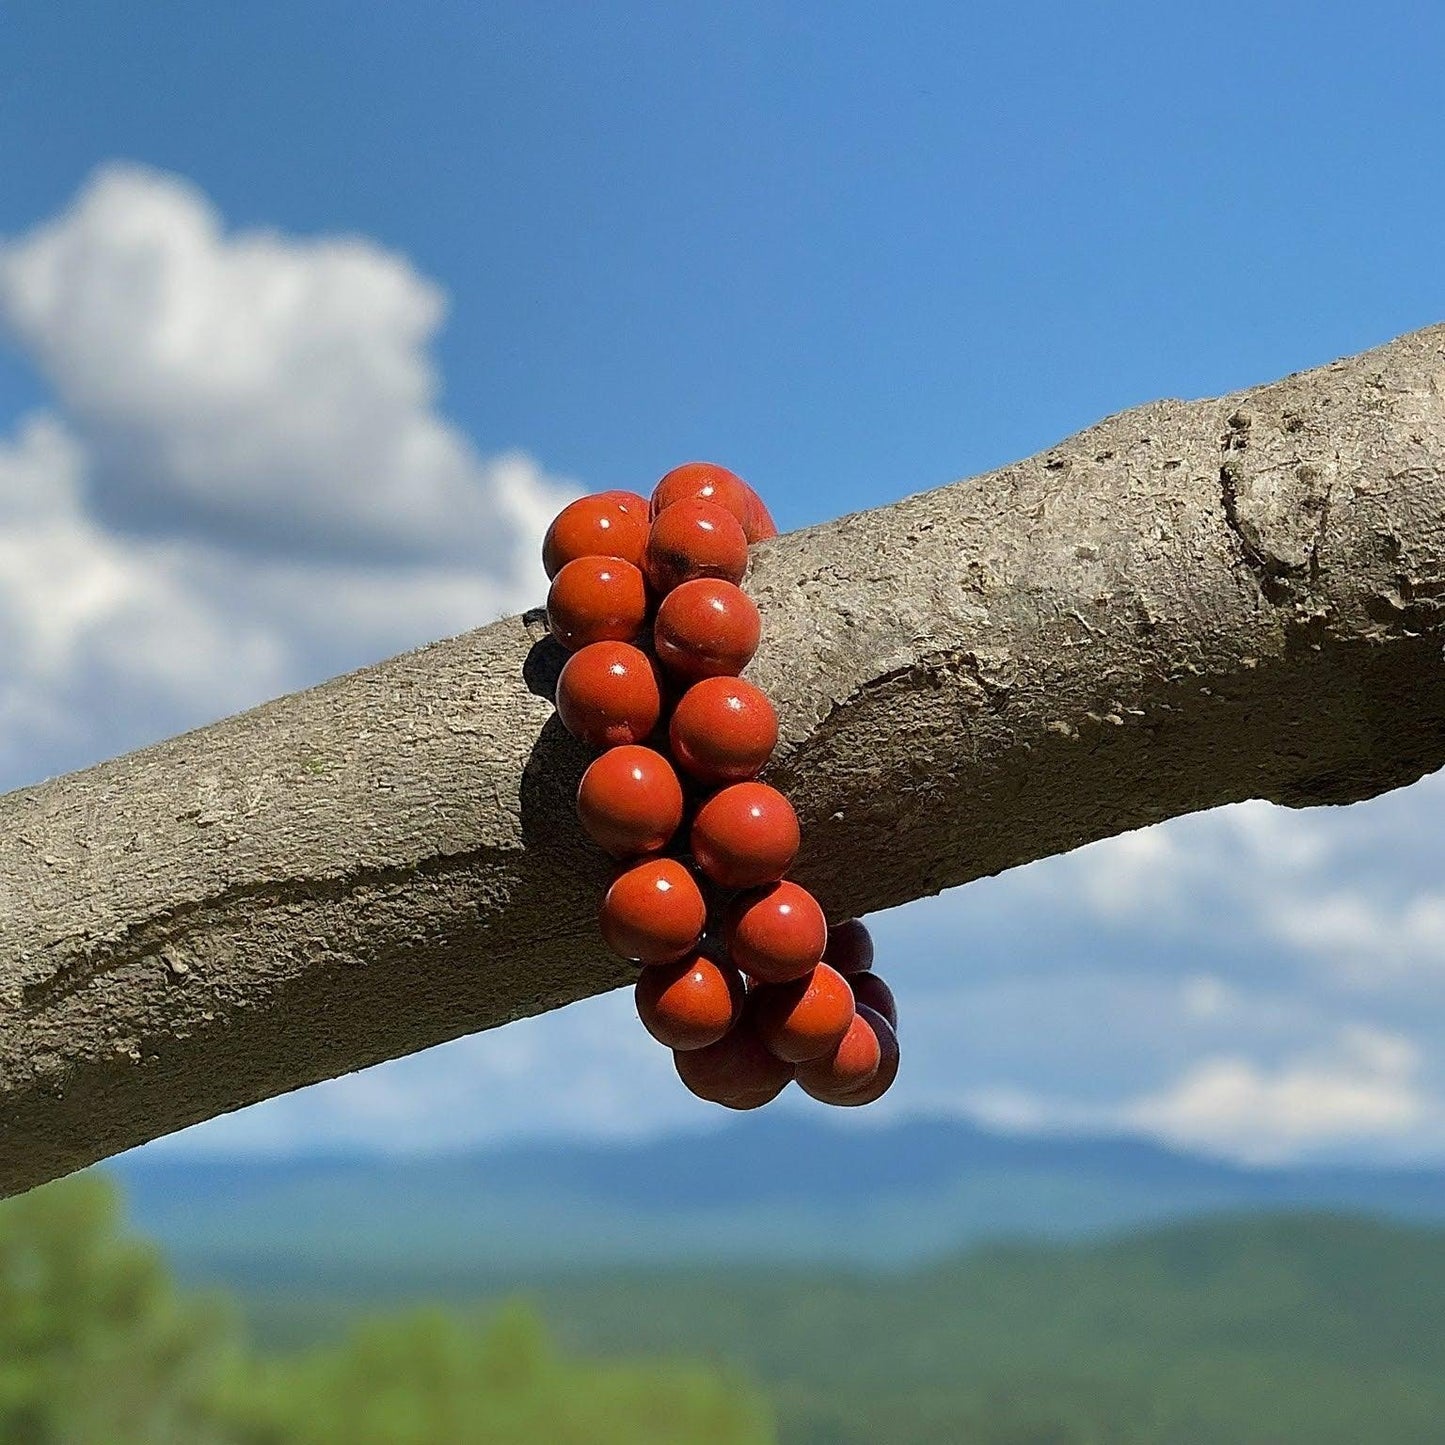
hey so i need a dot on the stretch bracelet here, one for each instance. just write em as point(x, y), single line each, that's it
point(741, 975)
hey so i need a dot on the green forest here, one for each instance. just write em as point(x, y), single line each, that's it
point(99, 1347)
point(1236, 1331)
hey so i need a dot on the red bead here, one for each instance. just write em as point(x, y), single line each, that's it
point(869, 989)
point(609, 693)
point(653, 913)
point(762, 526)
point(776, 933)
point(806, 1018)
point(596, 599)
point(887, 1071)
point(606, 524)
point(715, 484)
point(630, 801)
point(850, 947)
point(706, 628)
point(690, 1004)
point(737, 1071)
point(694, 538)
point(847, 1067)
point(745, 836)
point(723, 730)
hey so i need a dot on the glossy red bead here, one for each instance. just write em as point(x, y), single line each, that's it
point(608, 694)
point(653, 912)
point(610, 557)
point(723, 730)
point(738, 1071)
point(806, 1018)
point(870, 990)
point(762, 526)
point(596, 599)
point(715, 484)
point(691, 1004)
point(882, 1079)
point(630, 801)
point(706, 628)
point(777, 933)
point(848, 1066)
point(850, 946)
point(745, 836)
point(695, 538)
point(606, 524)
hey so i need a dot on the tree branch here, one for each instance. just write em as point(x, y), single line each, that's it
point(1187, 605)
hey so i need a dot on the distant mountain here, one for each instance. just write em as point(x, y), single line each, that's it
point(783, 1189)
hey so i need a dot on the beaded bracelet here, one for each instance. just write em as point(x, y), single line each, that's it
point(746, 983)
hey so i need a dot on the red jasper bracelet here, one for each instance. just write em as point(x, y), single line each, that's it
point(756, 990)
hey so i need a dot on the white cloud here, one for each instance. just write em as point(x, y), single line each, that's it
point(1207, 997)
point(249, 486)
point(1365, 1088)
point(1372, 939)
point(1135, 871)
point(1363, 1094)
point(1348, 896)
point(586, 1071)
point(277, 385)
point(1255, 849)
point(84, 614)
point(1012, 1110)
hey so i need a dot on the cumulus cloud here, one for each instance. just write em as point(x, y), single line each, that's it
point(1210, 981)
point(1206, 997)
point(1362, 1089)
point(586, 1071)
point(247, 484)
point(1252, 847)
point(1366, 1087)
point(258, 384)
point(96, 629)
point(1350, 897)
point(1372, 940)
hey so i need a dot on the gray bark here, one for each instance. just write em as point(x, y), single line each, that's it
point(1186, 605)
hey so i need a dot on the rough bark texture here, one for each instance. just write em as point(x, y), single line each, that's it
point(1187, 605)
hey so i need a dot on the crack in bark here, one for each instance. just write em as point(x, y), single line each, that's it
point(146, 940)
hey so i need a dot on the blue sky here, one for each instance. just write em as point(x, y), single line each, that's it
point(309, 314)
